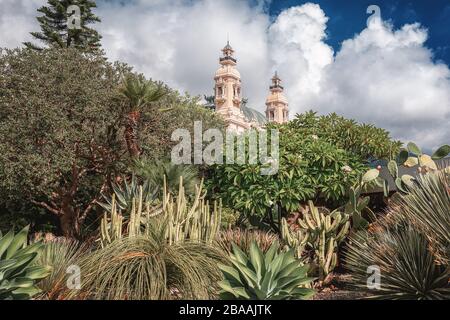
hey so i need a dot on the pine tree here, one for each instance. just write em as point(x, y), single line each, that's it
point(56, 32)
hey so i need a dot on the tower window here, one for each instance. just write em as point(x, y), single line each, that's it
point(219, 91)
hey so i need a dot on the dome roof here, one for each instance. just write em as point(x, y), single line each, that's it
point(276, 97)
point(227, 70)
point(253, 115)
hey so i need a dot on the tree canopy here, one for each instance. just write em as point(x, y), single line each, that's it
point(62, 130)
point(56, 24)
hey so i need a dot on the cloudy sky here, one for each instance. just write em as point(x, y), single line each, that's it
point(332, 55)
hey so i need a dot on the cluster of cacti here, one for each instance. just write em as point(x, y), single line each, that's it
point(322, 232)
point(196, 221)
point(296, 239)
point(113, 226)
point(413, 156)
point(18, 275)
point(178, 219)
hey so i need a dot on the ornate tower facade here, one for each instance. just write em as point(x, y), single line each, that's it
point(227, 91)
point(277, 108)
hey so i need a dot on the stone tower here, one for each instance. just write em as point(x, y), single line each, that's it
point(277, 109)
point(227, 91)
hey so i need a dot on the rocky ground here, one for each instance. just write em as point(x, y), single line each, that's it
point(338, 289)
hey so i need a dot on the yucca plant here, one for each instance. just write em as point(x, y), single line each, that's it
point(407, 266)
point(409, 246)
point(258, 276)
point(18, 275)
point(427, 207)
point(59, 254)
point(148, 267)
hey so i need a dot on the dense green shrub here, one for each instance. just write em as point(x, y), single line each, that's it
point(364, 140)
point(62, 130)
point(265, 276)
point(58, 135)
point(310, 167)
point(171, 112)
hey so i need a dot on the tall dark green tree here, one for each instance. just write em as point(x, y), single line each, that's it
point(59, 27)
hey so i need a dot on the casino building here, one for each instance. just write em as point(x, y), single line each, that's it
point(228, 100)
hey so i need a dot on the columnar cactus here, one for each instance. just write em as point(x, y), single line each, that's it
point(179, 219)
point(322, 232)
point(195, 222)
point(326, 231)
point(356, 206)
point(295, 239)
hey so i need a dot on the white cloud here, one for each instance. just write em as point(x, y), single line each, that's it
point(387, 77)
point(17, 19)
point(382, 75)
point(299, 53)
point(180, 41)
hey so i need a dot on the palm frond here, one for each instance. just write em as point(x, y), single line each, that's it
point(141, 93)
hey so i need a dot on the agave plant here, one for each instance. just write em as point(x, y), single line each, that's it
point(18, 275)
point(260, 276)
point(408, 270)
point(125, 192)
point(410, 245)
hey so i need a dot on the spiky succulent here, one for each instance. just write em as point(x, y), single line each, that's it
point(409, 246)
point(260, 276)
point(18, 275)
point(129, 190)
point(427, 207)
point(407, 267)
